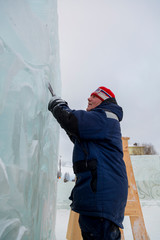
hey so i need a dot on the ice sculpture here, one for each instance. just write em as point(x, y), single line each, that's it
point(147, 173)
point(28, 133)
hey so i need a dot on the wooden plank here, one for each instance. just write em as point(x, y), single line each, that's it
point(138, 228)
point(132, 208)
point(122, 234)
point(73, 231)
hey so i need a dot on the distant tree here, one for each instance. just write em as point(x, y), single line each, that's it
point(66, 177)
point(149, 149)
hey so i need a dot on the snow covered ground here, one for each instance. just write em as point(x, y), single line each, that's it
point(151, 214)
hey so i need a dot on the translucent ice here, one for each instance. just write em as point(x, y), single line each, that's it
point(147, 172)
point(28, 133)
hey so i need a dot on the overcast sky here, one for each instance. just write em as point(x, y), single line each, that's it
point(116, 44)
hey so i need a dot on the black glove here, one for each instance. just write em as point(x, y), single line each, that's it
point(55, 101)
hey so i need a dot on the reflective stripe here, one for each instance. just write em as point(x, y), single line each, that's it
point(111, 115)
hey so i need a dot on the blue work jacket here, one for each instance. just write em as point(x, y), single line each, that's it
point(101, 187)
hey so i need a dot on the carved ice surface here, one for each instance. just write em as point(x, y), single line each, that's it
point(147, 174)
point(28, 133)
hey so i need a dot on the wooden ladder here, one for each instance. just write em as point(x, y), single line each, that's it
point(133, 207)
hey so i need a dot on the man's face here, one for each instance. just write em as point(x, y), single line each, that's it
point(93, 102)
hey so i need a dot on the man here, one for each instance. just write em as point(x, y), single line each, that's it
point(100, 192)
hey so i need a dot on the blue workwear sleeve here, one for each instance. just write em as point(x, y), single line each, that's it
point(80, 123)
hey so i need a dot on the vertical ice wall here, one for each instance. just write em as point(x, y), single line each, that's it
point(28, 132)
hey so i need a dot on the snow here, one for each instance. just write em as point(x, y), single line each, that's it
point(62, 223)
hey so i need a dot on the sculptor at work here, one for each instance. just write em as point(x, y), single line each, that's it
point(101, 188)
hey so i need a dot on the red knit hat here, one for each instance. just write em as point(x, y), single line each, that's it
point(103, 93)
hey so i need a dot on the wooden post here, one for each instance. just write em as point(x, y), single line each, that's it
point(73, 232)
point(133, 208)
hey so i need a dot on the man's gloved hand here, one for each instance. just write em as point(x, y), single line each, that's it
point(55, 101)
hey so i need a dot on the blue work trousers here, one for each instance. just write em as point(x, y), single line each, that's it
point(97, 228)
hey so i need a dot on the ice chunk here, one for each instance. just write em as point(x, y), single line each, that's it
point(29, 59)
